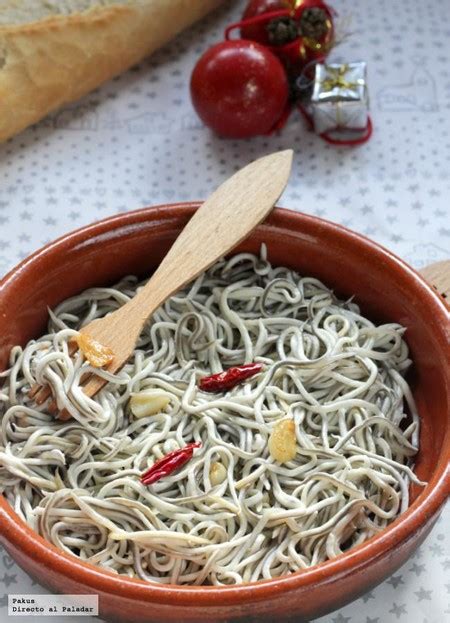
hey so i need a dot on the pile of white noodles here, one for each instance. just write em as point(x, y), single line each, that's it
point(336, 374)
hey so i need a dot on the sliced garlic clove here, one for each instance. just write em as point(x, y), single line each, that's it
point(97, 354)
point(282, 441)
point(217, 473)
point(149, 402)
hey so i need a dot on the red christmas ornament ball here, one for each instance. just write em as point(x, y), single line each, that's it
point(239, 89)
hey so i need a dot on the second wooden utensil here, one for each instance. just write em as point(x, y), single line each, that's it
point(438, 275)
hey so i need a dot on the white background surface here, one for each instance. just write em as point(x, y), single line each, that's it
point(136, 141)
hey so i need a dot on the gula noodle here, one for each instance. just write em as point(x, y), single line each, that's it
point(233, 513)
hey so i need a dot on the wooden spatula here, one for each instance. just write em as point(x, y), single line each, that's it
point(221, 223)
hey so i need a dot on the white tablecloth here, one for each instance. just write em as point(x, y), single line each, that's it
point(136, 141)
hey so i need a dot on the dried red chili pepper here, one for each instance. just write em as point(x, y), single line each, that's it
point(229, 378)
point(169, 463)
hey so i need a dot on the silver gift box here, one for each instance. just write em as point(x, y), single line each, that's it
point(340, 99)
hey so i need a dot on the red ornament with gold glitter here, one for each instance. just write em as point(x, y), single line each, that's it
point(240, 89)
point(299, 32)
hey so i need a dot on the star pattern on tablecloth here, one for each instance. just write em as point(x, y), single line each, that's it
point(367, 596)
point(340, 618)
point(423, 594)
point(436, 549)
point(398, 610)
point(417, 569)
point(8, 579)
point(395, 580)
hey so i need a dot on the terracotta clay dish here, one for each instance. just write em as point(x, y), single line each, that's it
point(386, 289)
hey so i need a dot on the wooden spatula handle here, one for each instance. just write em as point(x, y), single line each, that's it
point(220, 224)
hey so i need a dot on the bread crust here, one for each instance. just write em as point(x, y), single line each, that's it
point(58, 59)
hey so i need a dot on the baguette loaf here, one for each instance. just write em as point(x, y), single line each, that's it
point(53, 52)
